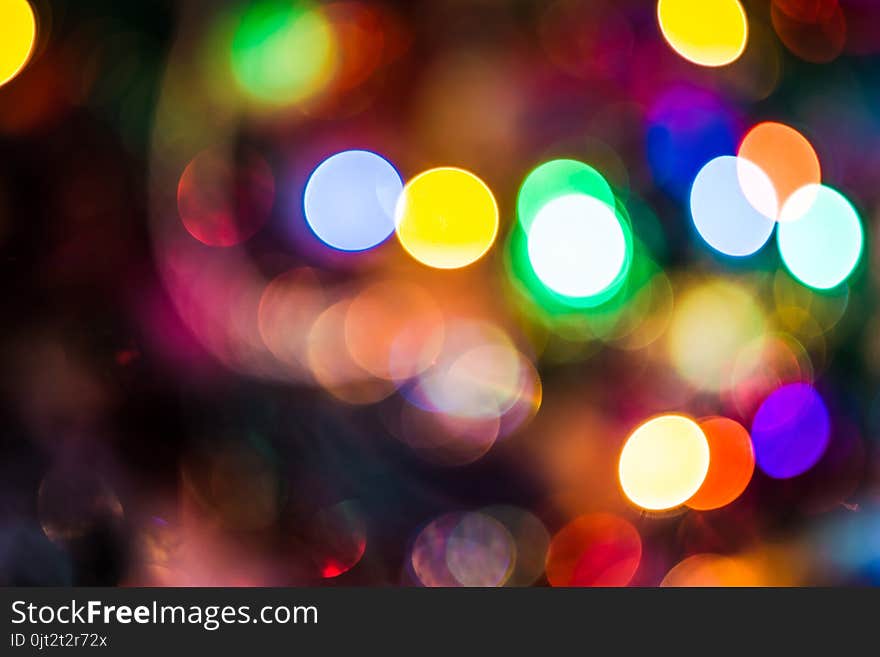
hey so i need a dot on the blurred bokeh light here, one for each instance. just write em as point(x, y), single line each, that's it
point(18, 34)
point(791, 431)
point(664, 462)
point(283, 52)
point(705, 32)
point(447, 218)
point(822, 243)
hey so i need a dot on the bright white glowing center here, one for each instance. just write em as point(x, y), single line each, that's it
point(576, 245)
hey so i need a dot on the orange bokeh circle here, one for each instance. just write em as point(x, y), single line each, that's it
point(785, 155)
point(731, 464)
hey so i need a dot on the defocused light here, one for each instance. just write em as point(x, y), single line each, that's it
point(446, 439)
point(349, 200)
point(784, 155)
point(594, 550)
point(289, 305)
point(484, 379)
point(528, 399)
point(390, 344)
point(223, 202)
point(712, 570)
point(664, 462)
point(850, 543)
point(602, 310)
point(815, 31)
point(556, 178)
point(530, 538)
point(332, 365)
point(821, 245)
point(711, 323)
point(764, 364)
point(790, 431)
point(731, 464)
point(577, 246)
point(478, 373)
point(446, 218)
point(646, 317)
point(480, 551)
point(428, 555)
point(824, 308)
point(18, 31)
point(361, 35)
point(282, 51)
point(446, 107)
point(724, 214)
point(705, 32)
point(463, 549)
point(337, 538)
point(687, 127)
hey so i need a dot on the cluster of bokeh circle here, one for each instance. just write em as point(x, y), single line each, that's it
point(573, 251)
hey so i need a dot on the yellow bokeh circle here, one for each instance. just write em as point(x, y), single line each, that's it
point(711, 323)
point(705, 32)
point(446, 218)
point(664, 462)
point(18, 31)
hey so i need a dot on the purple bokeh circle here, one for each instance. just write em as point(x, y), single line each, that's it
point(790, 431)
